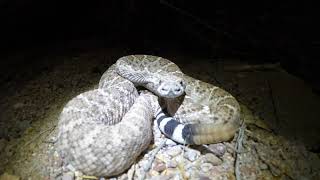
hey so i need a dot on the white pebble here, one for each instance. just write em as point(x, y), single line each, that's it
point(206, 167)
point(177, 177)
point(192, 154)
point(139, 173)
point(174, 151)
point(68, 176)
point(172, 164)
point(180, 159)
point(192, 172)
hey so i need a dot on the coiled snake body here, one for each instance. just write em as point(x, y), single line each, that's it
point(102, 131)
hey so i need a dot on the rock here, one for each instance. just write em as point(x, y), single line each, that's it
point(162, 156)
point(154, 173)
point(177, 177)
point(206, 167)
point(180, 159)
point(69, 167)
point(211, 158)
point(202, 177)
point(172, 164)
point(170, 172)
point(161, 177)
point(78, 175)
point(189, 165)
point(218, 149)
point(192, 154)
point(139, 173)
point(159, 167)
point(68, 176)
point(174, 151)
point(263, 166)
point(192, 173)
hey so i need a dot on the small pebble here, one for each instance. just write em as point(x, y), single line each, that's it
point(192, 155)
point(56, 154)
point(69, 167)
point(217, 149)
point(177, 177)
point(159, 167)
point(172, 164)
point(68, 176)
point(206, 167)
point(263, 166)
point(202, 177)
point(187, 175)
point(179, 159)
point(78, 175)
point(170, 172)
point(139, 173)
point(163, 157)
point(174, 151)
point(192, 173)
point(189, 166)
point(154, 173)
point(161, 177)
point(211, 158)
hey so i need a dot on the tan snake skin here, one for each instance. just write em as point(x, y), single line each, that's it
point(102, 131)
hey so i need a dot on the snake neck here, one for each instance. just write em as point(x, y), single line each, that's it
point(171, 105)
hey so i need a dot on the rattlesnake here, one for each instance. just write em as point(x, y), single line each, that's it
point(102, 131)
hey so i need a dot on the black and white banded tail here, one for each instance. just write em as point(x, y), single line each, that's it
point(173, 129)
point(194, 133)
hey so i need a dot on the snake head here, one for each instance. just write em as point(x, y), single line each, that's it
point(168, 87)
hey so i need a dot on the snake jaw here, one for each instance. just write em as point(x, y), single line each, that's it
point(170, 88)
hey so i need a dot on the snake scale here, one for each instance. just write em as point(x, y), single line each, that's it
point(103, 131)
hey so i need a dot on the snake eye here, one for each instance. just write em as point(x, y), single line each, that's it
point(181, 83)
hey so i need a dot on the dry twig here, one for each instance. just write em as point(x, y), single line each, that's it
point(238, 148)
point(274, 107)
point(147, 166)
point(40, 134)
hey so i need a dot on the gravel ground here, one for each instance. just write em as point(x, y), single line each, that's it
point(275, 145)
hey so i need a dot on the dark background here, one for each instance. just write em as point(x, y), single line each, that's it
point(285, 32)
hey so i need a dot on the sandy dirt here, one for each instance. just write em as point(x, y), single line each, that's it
point(280, 110)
